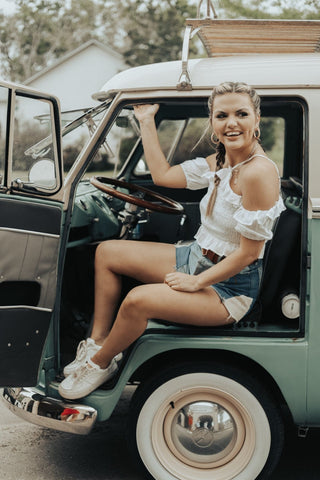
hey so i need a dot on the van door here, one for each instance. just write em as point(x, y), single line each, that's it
point(30, 229)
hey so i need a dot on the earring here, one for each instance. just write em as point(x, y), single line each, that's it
point(214, 139)
point(257, 133)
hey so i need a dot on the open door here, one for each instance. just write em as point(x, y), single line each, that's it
point(30, 229)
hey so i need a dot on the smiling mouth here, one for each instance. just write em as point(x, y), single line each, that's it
point(232, 134)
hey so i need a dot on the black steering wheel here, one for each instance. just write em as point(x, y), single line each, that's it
point(146, 198)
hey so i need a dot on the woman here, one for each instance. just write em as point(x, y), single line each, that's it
point(216, 280)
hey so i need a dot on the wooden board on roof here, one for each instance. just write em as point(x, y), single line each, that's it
point(234, 37)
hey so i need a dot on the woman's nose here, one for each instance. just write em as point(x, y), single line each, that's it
point(232, 121)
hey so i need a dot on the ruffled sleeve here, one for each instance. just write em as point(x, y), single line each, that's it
point(195, 172)
point(257, 224)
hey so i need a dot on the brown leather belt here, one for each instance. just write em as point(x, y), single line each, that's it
point(212, 256)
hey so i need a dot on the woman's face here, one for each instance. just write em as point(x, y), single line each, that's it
point(234, 120)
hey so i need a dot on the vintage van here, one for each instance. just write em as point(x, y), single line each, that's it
point(210, 403)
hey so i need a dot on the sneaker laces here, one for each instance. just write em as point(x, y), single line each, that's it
point(81, 351)
point(85, 370)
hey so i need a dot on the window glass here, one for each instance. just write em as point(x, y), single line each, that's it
point(195, 141)
point(78, 134)
point(29, 129)
point(118, 144)
point(272, 139)
point(190, 138)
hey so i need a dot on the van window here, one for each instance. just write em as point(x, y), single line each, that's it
point(272, 139)
point(28, 131)
point(189, 137)
point(117, 147)
point(186, 139)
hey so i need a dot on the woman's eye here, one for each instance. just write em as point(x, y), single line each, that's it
point(243, 114)
point(221, 115)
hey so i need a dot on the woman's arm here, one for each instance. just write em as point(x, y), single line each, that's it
point(161, 172)
point(247, 253)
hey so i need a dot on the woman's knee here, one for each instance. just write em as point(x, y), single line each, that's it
point(135, 301)
point(107, 250)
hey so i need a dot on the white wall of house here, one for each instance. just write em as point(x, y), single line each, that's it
point(79, 74)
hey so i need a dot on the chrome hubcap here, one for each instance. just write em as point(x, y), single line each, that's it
point(203, 431)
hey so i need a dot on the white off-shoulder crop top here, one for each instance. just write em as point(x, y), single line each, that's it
point(220, 232)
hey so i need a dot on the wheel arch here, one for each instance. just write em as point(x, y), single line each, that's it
point(169, 359)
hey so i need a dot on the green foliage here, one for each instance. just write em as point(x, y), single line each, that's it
point(154, 29)
point(268, 132)
point(41, 31)
point(241, 9)
point(143, 31)
point(281, 9)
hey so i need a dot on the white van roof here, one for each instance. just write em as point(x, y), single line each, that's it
point(265, 71)
point(262, 53)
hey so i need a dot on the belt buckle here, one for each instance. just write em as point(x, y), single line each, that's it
point(204, 252)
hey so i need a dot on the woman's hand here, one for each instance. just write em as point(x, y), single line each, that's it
point(162, 173)
point(182, 282)
point(145, 112)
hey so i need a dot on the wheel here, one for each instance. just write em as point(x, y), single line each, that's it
point(205, 422)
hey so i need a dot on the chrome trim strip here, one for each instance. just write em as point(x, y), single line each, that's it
point(29, 307)
point(315, 206)
point(49, 412)
point(103, 95)
point(30, 232)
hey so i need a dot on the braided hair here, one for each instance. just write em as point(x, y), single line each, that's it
point(222, 89)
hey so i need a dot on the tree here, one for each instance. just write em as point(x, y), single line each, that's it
point(40, 31)
point(281, 9)
point(152, 30)
point(143, 31)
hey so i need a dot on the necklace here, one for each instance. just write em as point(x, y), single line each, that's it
point(236, 168)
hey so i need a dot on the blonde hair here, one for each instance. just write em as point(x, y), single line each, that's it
point(222, 89)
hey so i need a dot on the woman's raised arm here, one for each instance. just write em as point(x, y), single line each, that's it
point(161, 172)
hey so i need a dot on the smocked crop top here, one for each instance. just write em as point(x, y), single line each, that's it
point(220, 232)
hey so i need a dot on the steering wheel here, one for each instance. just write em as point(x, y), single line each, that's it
point(167, 205)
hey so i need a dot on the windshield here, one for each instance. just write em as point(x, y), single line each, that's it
point(119, 144)
point(78, 126)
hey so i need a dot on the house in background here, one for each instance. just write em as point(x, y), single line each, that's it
point(79, 74)
point(73, 79)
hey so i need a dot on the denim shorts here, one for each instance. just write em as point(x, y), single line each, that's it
point(237, 293)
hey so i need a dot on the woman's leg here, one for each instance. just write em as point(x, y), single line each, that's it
point(146, 301)
point(202, 308)
point(144, 261)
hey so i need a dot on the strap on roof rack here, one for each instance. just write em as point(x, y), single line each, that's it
point(210, 10)
point(184, 82)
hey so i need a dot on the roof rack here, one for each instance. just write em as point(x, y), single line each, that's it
point(244, 37)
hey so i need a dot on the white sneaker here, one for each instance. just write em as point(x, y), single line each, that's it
point(86, 379)
point(86, 349)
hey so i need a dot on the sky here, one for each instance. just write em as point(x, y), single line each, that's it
point(7, 6)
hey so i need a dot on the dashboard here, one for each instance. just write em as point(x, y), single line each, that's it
point(94, 216)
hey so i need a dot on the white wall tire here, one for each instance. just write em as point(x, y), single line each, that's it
point(170, 449)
